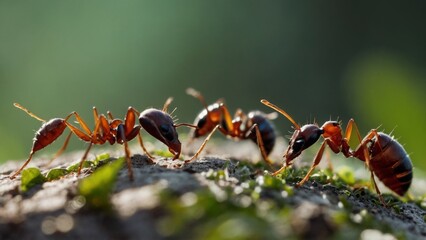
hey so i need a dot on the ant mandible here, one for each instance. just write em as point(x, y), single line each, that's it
point(157, 123)
point(254, 126)
point(382, 154)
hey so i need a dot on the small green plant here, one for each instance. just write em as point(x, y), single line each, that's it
point(347, 175)
point(163, 153)
point(30, 178)
point(56, 173)
point(97, 188)
point(33, 176)
point(74, 167)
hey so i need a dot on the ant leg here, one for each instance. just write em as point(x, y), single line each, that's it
point(349, 127)
point(12, 176)
point(92, 140)
point(95, 114)
point(316, 161)
point(377, 189)
point(335, 148)
point(102, 123)
point(361, 152)
point(348, 133)
point(80, 121)
point(110, 115)
point(129, 121)
point(84, 158)
point(376, 134)
point(46, 139)
point(203, 145)
point(189, 142)
point(283, 168)
point(225, 113)
point(61, 150)
point(328, 157)
point(17, 105)
point(128, 160)
point(373, 133)
point(121, 131)
point(260, 143)
point(150, 157)
point(80, 134)
point(86, 135)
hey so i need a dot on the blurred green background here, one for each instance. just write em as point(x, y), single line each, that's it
point(323, 60)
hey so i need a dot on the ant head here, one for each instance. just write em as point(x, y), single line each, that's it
point(161, 126)
point(331, 128)
point(302, 139)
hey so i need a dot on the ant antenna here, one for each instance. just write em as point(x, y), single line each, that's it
point(167, 103)
point(196, 94)
point(184, 124)
point(28, 112)
point(267, 103)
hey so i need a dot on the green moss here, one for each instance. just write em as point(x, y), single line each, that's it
point(74, 167)
point(264, 202)
point(56, 173)
point(163, 153)
point(346, 174)
point(202, 215)
point(31, 177)
point(96, 188)
point(100, 159)
point(272, 182)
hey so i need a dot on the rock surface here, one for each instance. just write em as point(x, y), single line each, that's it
point(55, 210)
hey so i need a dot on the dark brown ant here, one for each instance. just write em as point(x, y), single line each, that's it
point(156, 122)
point(382, 154)
point(159, 124)
point(254, 126)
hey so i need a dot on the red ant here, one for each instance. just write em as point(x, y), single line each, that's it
point(382, 154)
point(157, 123)
point(254, 126)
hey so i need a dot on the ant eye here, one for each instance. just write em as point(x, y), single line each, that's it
point(167, 132)
point(298, 145)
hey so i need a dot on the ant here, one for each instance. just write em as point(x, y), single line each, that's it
point(157, 123)
point(382, 154)
point(254, 126)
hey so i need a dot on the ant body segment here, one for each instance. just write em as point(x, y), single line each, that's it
point(254, 126)
point(383, 155)
point(157, 123)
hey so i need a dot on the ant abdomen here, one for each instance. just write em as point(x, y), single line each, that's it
point(48, 133)
point(266, 129)
point(391, 163)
